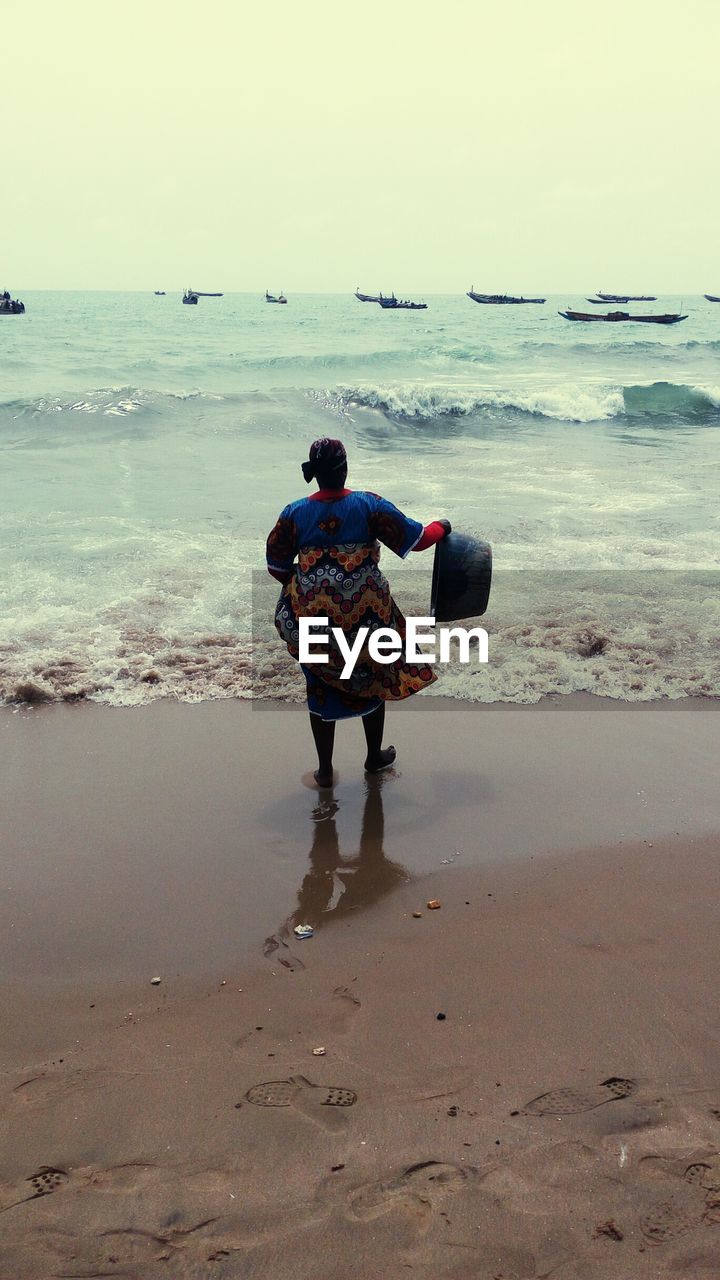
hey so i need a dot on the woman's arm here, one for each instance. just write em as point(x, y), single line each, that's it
point(401, 534)
point(432, 533)
point(281, 547)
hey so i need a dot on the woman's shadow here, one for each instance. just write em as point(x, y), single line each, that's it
point(335, 885)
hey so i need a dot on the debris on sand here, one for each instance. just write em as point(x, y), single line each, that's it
point(609, 1229)
point(434, 904)
point(303, 931)
point(155, 982)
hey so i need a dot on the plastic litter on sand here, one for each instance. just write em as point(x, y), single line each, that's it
point(303, 931)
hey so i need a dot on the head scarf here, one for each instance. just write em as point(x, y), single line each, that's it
point(328, 455)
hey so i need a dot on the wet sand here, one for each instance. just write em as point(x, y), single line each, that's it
point(562, 1118)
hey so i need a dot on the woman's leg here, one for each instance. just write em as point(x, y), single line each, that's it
point(374, 725)
point(323, 732)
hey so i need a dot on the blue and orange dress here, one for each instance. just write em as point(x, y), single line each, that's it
point(335, 537)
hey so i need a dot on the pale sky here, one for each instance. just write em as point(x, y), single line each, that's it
point(541, 145)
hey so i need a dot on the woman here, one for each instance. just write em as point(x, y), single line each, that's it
point(334, 534)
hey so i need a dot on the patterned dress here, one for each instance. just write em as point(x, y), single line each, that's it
point(337, 576)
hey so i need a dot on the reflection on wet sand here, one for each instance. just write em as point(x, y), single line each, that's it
point(336, 884)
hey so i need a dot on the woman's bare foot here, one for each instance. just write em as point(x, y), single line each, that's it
point(383, 760)
point(324, 780)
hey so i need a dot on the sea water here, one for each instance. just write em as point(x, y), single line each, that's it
point(148, 447)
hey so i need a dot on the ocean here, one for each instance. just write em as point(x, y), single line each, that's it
point(148, 447)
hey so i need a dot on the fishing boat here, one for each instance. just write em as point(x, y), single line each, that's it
point(281, 298)
point(366, 297)
point(11, 306)
point(615, 317)
point(191, 296)
point(602, 302)
point(396, 304)
point(159, 293)
point(626, 297)
point(711, 297)
point(501, 299)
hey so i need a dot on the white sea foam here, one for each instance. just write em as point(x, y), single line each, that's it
point(409, 400)
point(571, 402)
point(631, 636)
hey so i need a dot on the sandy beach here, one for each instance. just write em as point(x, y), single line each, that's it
point(523, 1083)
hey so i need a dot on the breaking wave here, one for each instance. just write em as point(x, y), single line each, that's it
point(569, 403)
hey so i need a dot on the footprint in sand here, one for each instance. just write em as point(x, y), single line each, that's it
point(565, 1102)
point(705, 1174)
point(681, 1213)
point(130, 1178)
point(691, 1206)
point(344, 993)
point(286, 957)
point(42, 1183)
point(416, 1191)
point(699, 1168)
point(317, 1102)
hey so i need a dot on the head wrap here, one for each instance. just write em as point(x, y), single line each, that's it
point(325, 455)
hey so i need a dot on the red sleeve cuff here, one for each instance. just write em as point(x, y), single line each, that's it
point(431, 534)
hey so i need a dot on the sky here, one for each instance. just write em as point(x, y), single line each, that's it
point(314, 145)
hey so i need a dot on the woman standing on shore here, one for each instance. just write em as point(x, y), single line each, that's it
point(335, 535)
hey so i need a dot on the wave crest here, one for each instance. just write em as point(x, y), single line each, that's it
point(567, 403)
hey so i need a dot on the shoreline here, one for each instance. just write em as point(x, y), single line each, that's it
point(199, 824)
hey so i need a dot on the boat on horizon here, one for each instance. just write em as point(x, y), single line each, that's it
point(281, 299)
point(191, 296)
point(617, 317)
point(159, 293)
point(395, 304)
point(625, 297)
point(711, 297)
point(502, 299)
point(11, 306)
